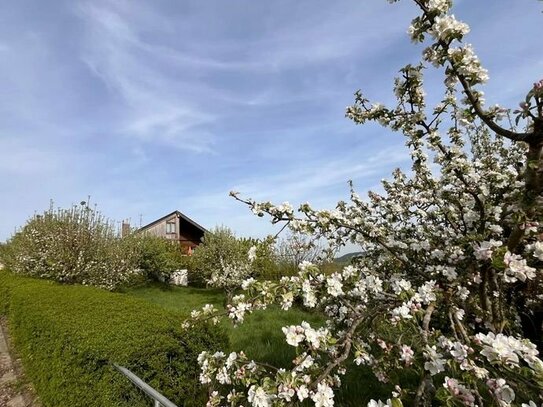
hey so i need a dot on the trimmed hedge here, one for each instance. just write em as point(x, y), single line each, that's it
point(69, 336)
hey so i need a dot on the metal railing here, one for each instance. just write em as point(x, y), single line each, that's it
point(159, 399)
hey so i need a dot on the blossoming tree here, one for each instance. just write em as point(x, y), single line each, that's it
point(451, 274)
point(226, 261)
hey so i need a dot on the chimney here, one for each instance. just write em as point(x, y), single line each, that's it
point(125, 229)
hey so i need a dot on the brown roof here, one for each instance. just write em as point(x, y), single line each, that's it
point(179, 215)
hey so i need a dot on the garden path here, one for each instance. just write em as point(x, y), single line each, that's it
point(14, 392)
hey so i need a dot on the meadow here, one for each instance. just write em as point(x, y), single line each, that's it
point(260, 336)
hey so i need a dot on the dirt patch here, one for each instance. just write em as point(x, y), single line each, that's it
point(15, 389)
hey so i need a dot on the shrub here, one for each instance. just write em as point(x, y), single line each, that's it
point(69, 336)
point(159, 257)
point(76, 245)
point(225, 260)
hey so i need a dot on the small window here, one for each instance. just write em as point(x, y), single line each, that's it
point(170, 228)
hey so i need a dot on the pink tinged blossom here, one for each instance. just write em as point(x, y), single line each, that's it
point(484, 250)
point(313, 337)
point(426, 292)
point(237, 312)
point(308, 295)
point(406, 354)
point(508, 350)
point(307, 362)
point(462, 293)
point(399, 286)
point(459, 391)
point(223, 377)
point(517, 269)
point(459, 313)
point(401, 312)
point(248, 283)
point(502, 391)
point(231, 359)
point(286, 300)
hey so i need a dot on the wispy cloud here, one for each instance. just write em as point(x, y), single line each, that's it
point(312, 180)
point(155, 108)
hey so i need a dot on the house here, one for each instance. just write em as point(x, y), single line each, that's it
point(177, 227)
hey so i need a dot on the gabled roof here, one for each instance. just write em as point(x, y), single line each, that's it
point(179, 215)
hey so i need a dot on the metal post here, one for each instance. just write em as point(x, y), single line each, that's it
point(159, 399)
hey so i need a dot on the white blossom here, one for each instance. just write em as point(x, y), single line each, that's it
point(251, 254)
point(302, 392)
point(334, 285)
point(324, 396)
point(447, 27)
point(538, 250)
point(439, 6)
point(434, 361)
point(258, 397)
point(294, 334)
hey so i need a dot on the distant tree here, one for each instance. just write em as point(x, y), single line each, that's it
point(296, 248)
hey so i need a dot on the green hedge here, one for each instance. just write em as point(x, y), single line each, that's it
point(68, 337)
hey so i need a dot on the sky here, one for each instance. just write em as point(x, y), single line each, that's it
point(154, 106)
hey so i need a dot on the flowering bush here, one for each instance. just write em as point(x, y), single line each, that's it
point(159, 258)
point(226, 261)
point(449, 287)
point(76, 245)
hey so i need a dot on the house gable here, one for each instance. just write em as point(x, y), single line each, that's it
point(177, 227)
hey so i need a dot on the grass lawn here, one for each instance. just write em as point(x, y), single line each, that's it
point(260, 336)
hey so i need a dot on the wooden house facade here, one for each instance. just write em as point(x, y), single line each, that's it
point(178, 228)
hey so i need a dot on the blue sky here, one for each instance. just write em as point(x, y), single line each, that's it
point(152, 106)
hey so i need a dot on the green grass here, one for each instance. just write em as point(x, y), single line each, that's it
point(261, 338)
point(178, 299)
